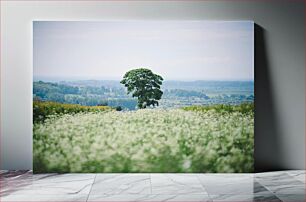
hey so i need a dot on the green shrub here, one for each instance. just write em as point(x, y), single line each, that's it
point(42, 110)
point(242, 108)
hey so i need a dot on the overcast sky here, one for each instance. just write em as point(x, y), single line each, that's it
point(177, 50)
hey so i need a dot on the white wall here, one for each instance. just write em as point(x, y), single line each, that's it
point(280, 73)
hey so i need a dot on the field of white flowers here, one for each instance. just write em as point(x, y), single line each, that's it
point(148, 140)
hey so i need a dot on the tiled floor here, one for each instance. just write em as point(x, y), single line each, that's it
point(273, 186)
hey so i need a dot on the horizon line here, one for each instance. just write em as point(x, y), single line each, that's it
point(181, 80)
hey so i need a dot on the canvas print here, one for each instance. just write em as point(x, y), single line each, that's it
point(143, 96)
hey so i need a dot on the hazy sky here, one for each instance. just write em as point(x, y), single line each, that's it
point(185, 50)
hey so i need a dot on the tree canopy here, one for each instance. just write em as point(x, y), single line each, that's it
point(145, 85)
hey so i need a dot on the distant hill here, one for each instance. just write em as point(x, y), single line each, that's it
point(176, 93)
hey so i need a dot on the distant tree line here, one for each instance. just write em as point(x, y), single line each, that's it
point(113, 94)
point(83, 95)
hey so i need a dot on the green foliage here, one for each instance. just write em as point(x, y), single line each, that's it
point(198, 139)
point(118, 108)
point(81, 94)
point(242, 108)
point(53, 91)
point(175, 93)
point(104, 103)
point(185, 93)
point(145, 85)
point(42, 110)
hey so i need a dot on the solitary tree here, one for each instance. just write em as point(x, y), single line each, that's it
point(145, 85)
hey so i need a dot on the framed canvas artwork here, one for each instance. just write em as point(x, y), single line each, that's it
point(143, 96)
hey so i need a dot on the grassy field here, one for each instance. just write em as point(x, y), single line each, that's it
point(192, 139)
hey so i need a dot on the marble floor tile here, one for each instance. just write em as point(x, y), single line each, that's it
point(282, 183)
point(43, 198)
point(3, 171)
point(266, 198)
point(245, 198)
point(15, 180)
point(150, 198)
point(286, 186)
point(47, 184)
point(216, 184)
point(9, 187)
point(175, 184)
point(259, 189)
point(278, 175)
point(121, 184)
point(298, 175)
point(14, 175)
point(291, 197)
point(287, 189)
